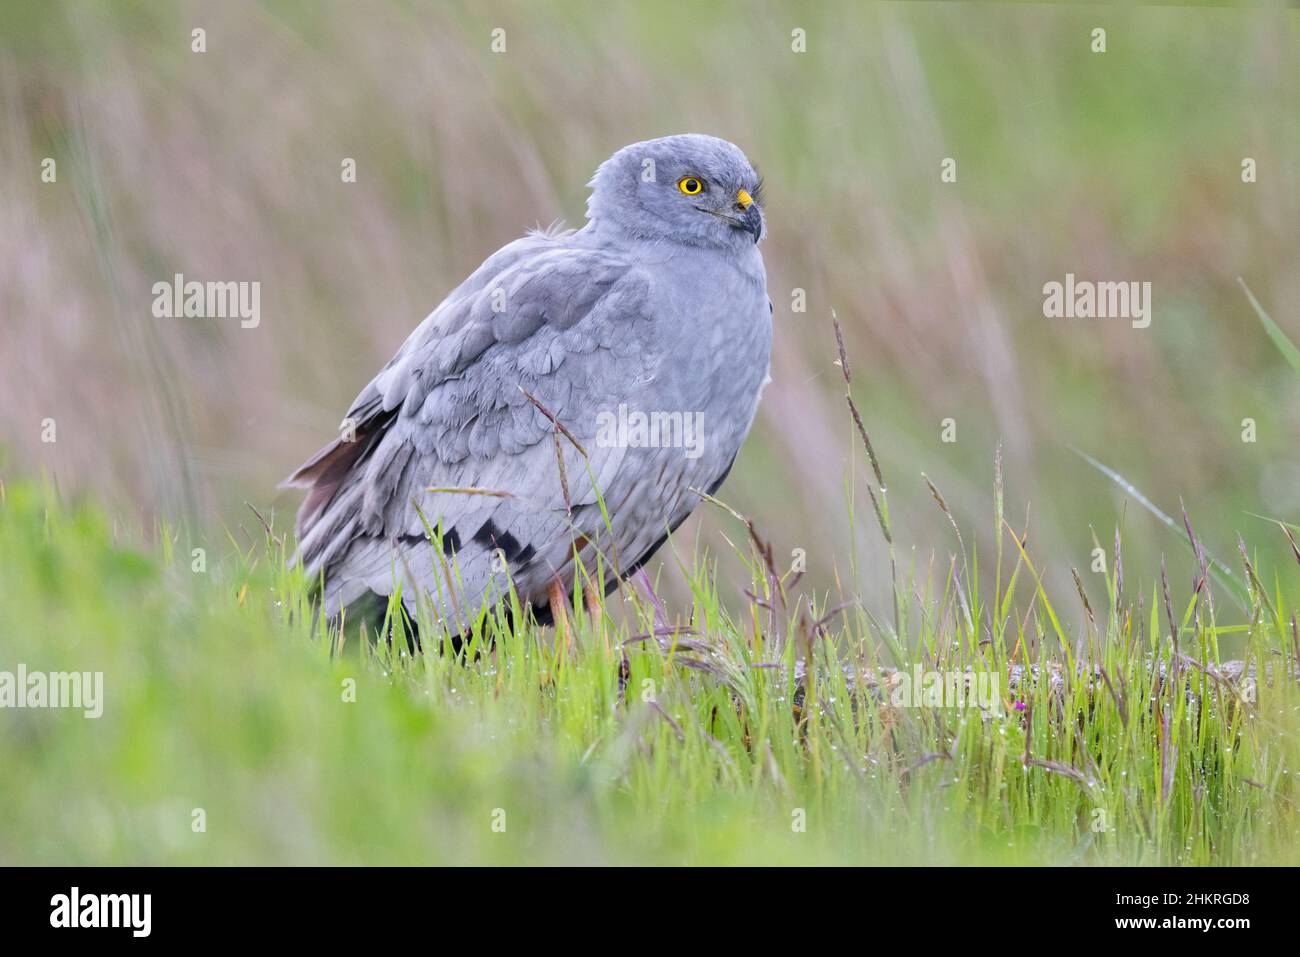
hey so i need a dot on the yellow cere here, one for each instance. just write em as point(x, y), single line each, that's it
point(744, 199)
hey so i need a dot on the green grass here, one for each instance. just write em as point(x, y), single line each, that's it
point(221, 694)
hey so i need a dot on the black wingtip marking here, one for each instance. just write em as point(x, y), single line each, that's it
point(489, 536)
point(486, 535)
point(450, 541)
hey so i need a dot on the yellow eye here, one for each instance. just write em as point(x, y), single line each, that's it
point(690, 185)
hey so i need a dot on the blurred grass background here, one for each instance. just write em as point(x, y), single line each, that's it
point(225, 165)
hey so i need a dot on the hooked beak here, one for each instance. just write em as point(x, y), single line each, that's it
point(750, 219)
point(744, 215)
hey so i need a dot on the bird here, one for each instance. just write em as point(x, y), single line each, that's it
point(532, 430)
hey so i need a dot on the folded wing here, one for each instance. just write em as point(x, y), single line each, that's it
point(567, 325)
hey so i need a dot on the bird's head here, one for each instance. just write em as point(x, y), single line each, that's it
point(692, 189)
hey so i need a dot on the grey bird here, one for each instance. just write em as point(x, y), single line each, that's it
point(563, 407)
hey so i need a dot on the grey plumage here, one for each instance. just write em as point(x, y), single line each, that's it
point(658, 305)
